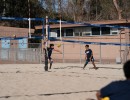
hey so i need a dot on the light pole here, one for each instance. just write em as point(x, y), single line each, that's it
point(60, 18)
point(29, 19)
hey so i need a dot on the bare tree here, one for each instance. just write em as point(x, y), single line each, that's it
point(119, 11)
point(78, 9)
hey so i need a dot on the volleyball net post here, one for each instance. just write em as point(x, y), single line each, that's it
point(29, 31)
point(46, 45)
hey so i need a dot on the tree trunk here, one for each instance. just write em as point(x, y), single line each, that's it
point(118, 9)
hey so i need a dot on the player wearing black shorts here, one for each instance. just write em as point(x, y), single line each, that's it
point(50, 50)
point(89, 57)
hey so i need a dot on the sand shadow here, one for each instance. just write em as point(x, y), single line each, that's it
point(68, 67)
point(49, 94)
point(110, 68)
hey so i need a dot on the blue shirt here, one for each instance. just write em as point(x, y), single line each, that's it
point(119, 90)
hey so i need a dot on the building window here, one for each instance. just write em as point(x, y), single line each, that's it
point(53, 34)
point(58, 33)
point(105, 30)
point(86, 31)
point(80, 33)
point(77, 34)
point(37, 31)
point(69, 32)
point(114, 31)
point(96, 31)
point(86, 34)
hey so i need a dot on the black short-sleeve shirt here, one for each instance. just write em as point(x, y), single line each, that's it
point(88, 53)
point(49, 51)
point(118, 90)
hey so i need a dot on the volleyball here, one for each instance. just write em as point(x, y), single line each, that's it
point(106, 98)
point(14, 36)
point(59, 45)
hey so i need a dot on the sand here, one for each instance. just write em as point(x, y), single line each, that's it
point(62, 82)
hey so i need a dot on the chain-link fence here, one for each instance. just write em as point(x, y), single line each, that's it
point(75, 53)
point(71, 53)
point(20, 55)
point(31, 54)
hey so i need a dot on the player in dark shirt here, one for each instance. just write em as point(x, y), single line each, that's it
point(50, 50)
point(89, 57)
point(118, 90)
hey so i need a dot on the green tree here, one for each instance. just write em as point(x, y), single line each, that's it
point(20, 8)
point(1, 7)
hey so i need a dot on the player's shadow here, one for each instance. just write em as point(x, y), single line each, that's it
point(110, 68)
point(68, 67)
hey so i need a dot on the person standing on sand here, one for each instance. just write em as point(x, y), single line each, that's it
point(50, 49)
point(89, 57)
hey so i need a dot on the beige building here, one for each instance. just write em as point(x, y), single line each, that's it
point(105, 53)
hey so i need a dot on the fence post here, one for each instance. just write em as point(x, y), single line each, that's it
point(80, 54)
point(100, 54)
point(40, 54)
point(63, 53)
point(15, 52)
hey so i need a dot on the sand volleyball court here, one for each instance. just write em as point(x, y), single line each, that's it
point(62, 82)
